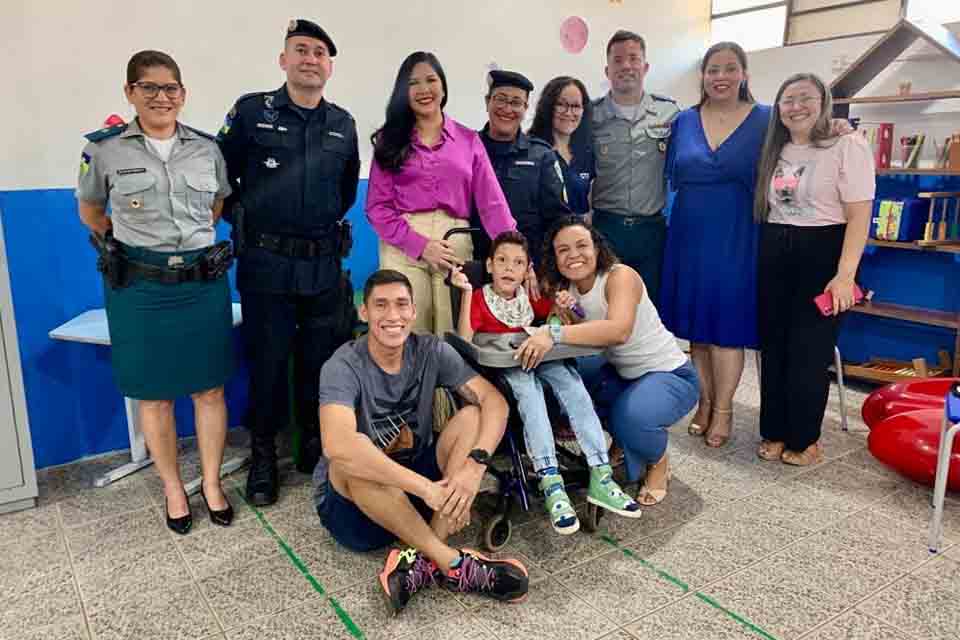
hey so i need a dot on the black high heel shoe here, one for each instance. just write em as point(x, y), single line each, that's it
point(223, 517)
point(181, 525)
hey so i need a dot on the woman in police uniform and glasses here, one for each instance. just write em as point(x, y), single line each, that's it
point(164, 185)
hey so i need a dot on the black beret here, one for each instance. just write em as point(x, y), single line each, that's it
point(301, 27)
point(500, 78)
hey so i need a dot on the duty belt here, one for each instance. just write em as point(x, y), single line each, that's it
point(120, 271)
point(293, 247)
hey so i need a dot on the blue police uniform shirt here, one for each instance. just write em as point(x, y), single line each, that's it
point(577, 178)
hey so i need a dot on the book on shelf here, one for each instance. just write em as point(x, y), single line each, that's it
point(879, 135)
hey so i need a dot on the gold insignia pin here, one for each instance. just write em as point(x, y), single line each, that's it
point(604, 149)
point(135, 204)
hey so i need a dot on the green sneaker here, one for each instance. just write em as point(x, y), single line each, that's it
point(563, 516)
point(606, 493)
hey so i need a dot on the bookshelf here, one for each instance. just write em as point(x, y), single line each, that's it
point(904, 271)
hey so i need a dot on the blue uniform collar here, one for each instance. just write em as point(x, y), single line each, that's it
point(520, 143)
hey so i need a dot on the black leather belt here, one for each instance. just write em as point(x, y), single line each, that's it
point(293, 247)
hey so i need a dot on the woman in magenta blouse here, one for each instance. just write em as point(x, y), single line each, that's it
point(427, 174)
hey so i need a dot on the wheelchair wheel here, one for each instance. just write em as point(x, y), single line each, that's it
point(496, 532)
point(591, 521)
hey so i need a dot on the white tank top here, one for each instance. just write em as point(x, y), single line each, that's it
point(650, 346)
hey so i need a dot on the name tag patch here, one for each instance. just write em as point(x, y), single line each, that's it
point(335, 134)
point(126, 172)
point(264, 125)
point(524, 163)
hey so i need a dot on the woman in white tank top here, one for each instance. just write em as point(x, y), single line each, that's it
point(643, 382)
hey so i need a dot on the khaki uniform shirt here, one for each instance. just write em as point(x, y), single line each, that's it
point(157, 205)
point(630, 156)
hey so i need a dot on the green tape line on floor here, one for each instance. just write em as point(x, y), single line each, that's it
point(686, 589)
point(295, 560)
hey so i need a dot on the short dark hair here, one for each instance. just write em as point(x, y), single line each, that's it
point(510, 237)
point(143, 60)
point(382, 277)
point(549, 271)
point(623, 35)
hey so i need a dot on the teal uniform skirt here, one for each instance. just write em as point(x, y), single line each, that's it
point(169, 340)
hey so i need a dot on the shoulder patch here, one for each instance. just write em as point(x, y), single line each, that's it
point(202, 134)
point(106, 132)
point(247, 96)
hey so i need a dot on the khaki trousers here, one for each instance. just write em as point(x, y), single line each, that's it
point(431, 295)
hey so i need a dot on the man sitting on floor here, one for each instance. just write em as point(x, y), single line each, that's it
point(385, 475)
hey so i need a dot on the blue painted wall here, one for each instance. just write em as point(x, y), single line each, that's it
point(73, 406)
point(921, 279)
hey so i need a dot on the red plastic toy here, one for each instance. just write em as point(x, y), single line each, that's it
point(926, 393)
point(908, 443)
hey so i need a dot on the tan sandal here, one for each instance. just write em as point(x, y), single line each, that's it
point(811, 455)
point(697, 430)
point(648, 497)
point(716, 441)
point(770, 450)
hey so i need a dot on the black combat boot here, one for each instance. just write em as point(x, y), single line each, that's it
point(262, 477)
point(310, 451)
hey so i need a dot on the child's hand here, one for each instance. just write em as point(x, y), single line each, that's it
point(459, 279)
point(565, 299)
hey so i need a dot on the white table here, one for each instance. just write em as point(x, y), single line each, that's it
point(91, 327)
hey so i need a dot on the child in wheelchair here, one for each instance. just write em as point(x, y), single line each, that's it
point(503, 307)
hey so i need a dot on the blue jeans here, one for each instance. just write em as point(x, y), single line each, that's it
point(639, 411)
point(563, 379)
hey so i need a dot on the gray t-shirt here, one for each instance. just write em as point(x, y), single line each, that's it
point(384, 402)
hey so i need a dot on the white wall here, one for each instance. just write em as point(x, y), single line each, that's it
point(65, 60)
point(924, 67)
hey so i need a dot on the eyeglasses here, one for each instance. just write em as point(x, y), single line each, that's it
point(514, 103)
point(150, 90)
point(564, 107)
point(802, 101)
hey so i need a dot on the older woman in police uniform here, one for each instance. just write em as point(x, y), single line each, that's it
point(170, 321)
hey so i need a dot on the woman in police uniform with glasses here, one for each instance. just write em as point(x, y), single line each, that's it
point(164, 184)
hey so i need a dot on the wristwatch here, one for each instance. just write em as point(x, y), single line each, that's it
point(480, 456)
point(556, 333)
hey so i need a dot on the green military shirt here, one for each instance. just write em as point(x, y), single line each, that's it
point(157, 205)
point(631, 154)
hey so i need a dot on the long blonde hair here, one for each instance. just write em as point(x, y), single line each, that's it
point(778, 136)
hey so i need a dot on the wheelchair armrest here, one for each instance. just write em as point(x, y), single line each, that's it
point(500, 359)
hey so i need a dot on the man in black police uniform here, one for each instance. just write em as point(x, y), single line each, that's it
point(293, 163)
point(527, 168)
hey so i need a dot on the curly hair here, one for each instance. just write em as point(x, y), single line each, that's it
point(550, 273)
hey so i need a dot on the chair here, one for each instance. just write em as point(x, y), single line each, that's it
point(512, 482)
point(948, 431)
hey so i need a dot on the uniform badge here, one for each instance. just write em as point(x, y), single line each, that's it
point(135, 204)
point(84, 164)
point(270, 115)
point(268, 101)
point(271, 163)
point(604, 149)
point(175, 261)
point(292, 26)
point(662, 146)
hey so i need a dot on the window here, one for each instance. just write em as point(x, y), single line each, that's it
point(759, 24)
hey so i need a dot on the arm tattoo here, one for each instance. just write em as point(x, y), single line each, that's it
point(468, 394)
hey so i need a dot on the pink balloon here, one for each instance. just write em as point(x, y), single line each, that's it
point(574, 34)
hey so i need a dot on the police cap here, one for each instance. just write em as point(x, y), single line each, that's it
point(500, 78)
point(301, 27)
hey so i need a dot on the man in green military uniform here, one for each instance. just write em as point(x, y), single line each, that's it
point(631, 129)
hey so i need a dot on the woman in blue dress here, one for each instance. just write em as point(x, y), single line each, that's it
point(709, 287)
point(562, 119)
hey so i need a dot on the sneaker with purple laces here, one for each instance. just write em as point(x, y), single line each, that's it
point(406, 572)
point(505, 580)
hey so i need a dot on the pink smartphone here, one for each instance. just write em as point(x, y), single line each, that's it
point(824, 301)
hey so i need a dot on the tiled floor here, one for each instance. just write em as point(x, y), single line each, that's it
point(740, 549)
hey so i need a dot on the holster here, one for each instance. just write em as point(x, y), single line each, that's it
point(111, 261)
